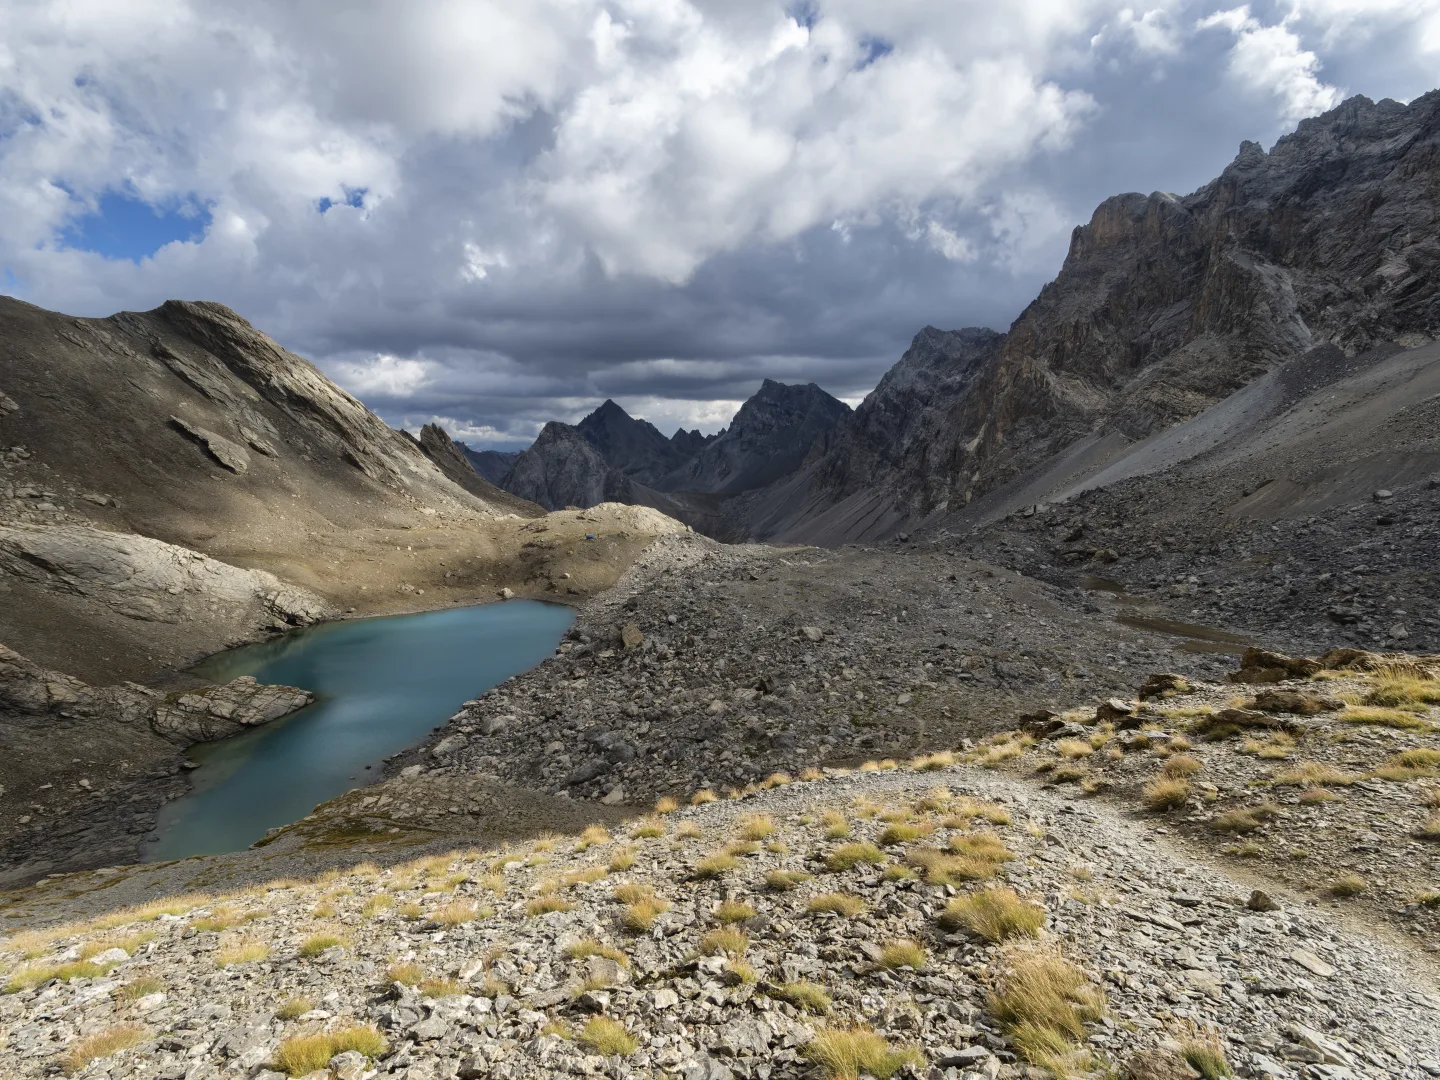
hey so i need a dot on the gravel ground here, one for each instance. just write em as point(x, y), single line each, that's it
point(1173, 947)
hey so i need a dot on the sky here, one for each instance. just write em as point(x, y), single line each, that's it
point(490, 215)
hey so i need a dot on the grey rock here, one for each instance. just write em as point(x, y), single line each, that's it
point(227, 453)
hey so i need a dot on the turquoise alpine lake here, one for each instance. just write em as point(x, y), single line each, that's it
point(381, 685)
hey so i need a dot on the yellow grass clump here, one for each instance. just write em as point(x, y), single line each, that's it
point(838, 903)
point(994, 914)
point(1166, 793)
point(806, 996)
point(844, 1053)
point(1043, 1002)
point(301, 1055)
point(102, 1044)
point(725, 940)
point(849, 856)
point(901, 954)
point(608, 1037)
point(242, 952)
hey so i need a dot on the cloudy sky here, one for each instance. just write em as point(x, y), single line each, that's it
point(493, 214)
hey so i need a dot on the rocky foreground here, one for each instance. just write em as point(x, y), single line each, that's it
point(1228, 876)
point(933, 919)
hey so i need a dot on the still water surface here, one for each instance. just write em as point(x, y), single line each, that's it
point(382, 684)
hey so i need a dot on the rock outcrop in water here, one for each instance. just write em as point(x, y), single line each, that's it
point(73, 755)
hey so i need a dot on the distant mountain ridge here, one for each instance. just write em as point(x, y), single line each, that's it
point(612, 456)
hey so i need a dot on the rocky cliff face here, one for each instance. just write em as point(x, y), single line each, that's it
point(769, 437)
point(451, 460)
point(1165, 305)
point(630, 446)
point(561, 468)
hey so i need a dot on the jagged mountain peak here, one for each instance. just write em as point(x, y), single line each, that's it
point(770, 436)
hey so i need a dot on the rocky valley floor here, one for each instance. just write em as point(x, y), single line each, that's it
point(1242, 869)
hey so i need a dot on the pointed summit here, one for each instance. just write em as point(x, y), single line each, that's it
point(633, 447)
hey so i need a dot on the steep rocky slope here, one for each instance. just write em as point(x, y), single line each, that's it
point(563, 468)
point(1165, 305)
point(451, 460)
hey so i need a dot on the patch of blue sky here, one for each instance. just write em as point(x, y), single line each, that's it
point(872, 49)
point(806, 13)
point(353, 197)
point(123, 226)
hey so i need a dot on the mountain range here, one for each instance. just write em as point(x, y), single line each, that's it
point(1165, 306)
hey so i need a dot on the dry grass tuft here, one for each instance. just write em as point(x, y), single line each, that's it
point(845, 1053)
point(667, 804)
point(376, 904)
point(136, 989)
point(639, 915)
point(849, 856)
point(457, 913)
point(1166, 793)
point(408, 973)
point(905, 832)
point(1400, 719)
point(839, 903)
point(587, 947)
point(1181, 765)
point(807, 997)
point(757, 827)
point(623, 859)
point(242, 952)
point(734, 911)
point(1348, 885)
point(591, 836)
point(714, 866)
point(900, 954)
point(1430, 829)
point(688, 830)
point(834, 824)
point(543, 905)
point(292, 1008)
point(102, 1044)
point(316, 944)
point(776, 779)
point(995, 914)
point(1314, 774)
point(933, 762)
point(649, 829)
point(1317, 796)
point(1415, 764)
point(785, 880)
point(1206, 1055)
point(703, 796)
point(1277, 746)
point(1074, 748)
point(1043, 1001)
point(608, 1038)
point(301, 1055)
point(724, 941)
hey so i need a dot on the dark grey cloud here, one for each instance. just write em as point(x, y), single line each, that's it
point(529, 208)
